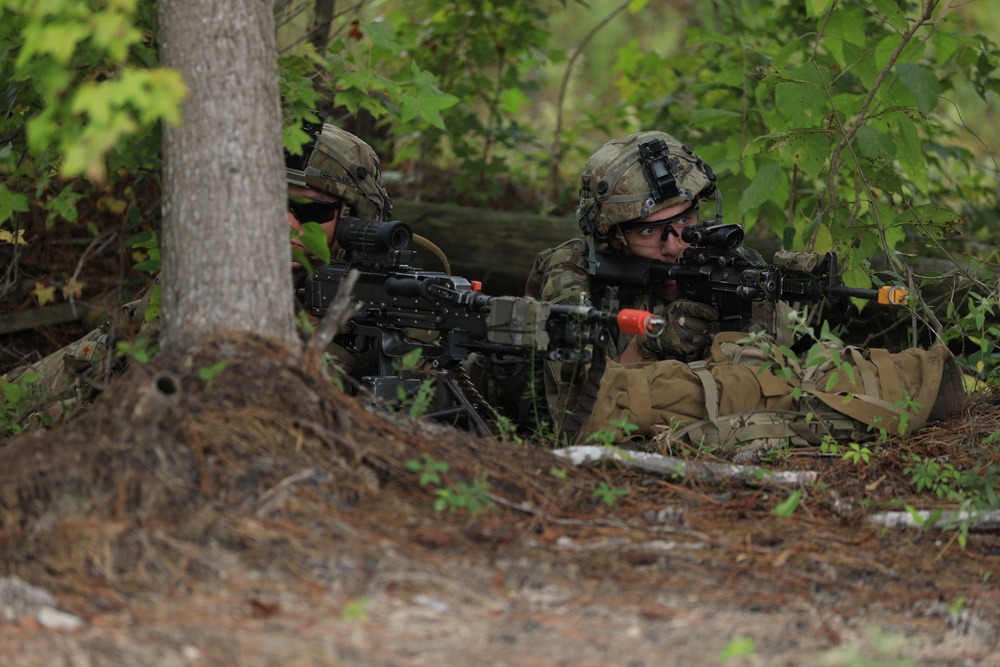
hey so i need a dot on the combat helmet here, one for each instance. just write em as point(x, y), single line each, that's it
point(337, 162)
point(634, 176)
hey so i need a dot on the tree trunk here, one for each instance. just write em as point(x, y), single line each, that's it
point(224, 240)
point(323, 19)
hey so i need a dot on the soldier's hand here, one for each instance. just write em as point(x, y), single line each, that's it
point(686, 333)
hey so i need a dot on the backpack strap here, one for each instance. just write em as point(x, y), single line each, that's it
point(588, 394)
point(742, 431)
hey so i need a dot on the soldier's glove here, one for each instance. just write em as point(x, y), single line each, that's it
point(686, 333)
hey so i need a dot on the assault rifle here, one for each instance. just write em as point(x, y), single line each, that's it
point(714, 272)
point(402, 308)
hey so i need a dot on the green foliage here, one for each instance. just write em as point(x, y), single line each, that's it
point(977, 327)
point(787, 507)
point(19, 401)
point(943, 480)
point(361, 72)
point(833, 127)
point(468, 497)
point(609, 436)
point(207, 373)
point(429, 469)
point(138, 351)
point(356, 611)
point(857, 454)
point(486, 56)
point(608, 495)
point(741, 647)
point(83, 79)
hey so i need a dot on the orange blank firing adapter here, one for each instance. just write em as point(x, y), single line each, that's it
point(640, 322)
point(897, 296)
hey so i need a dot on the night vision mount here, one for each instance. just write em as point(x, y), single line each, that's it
point(655, 158)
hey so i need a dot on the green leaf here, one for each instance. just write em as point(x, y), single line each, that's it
point(938, 218)
point(207, 373)
point(769, 178)
point(712, 117)
point(804, 105)
point(922, 82)
point(889, 9)
point(741, 647)
point(11, 203)
point(875, 145)
point(313, 238)
point(817, 7)
point(789, 505)
point(809, 150)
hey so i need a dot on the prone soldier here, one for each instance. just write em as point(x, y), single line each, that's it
point(640, 197)
point(337, 175)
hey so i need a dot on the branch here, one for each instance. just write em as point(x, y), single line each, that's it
point(557, 151)
point(984, 520)
point(335, 321)
point(675, 468)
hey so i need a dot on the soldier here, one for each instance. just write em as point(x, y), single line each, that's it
point(336, 175)
point(729, 398)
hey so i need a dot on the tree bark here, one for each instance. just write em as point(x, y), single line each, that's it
point(225, 248)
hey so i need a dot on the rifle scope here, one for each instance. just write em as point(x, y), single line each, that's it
point(719, 237)
point(372, 237)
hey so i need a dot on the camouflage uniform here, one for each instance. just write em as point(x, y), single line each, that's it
point(731, 399)
point(333, 161)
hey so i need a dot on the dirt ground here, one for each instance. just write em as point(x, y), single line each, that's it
point(262, 518)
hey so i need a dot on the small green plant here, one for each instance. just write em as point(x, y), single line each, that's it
point(857, 454)
point(741, 647)
point(975, 328)
point(829, 446)
point(788, 506)
point(608, 436)
point(416, 403)
point(558, 473)
point(472, 498)
point(419, 402)
point(140, 350)
point(958, 606)
point(992, 439)
point(507, 429)
point(19, 401)
point(429, 469)
point(209, 372)
point(938, 477)
point(609, 495)
point(355, 611)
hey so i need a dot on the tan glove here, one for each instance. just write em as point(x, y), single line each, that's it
point(686, 333)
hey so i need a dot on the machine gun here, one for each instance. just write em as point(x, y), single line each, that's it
point(447, 318)
point(714, 272)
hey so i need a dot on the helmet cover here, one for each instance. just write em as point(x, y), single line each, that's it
point(632, 177)
point(338, 163)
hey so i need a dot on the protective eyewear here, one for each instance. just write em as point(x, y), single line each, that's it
point(310, 210)
point(655, 233)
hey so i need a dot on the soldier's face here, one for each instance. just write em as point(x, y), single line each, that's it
point(658, 235)
point(659, 238)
